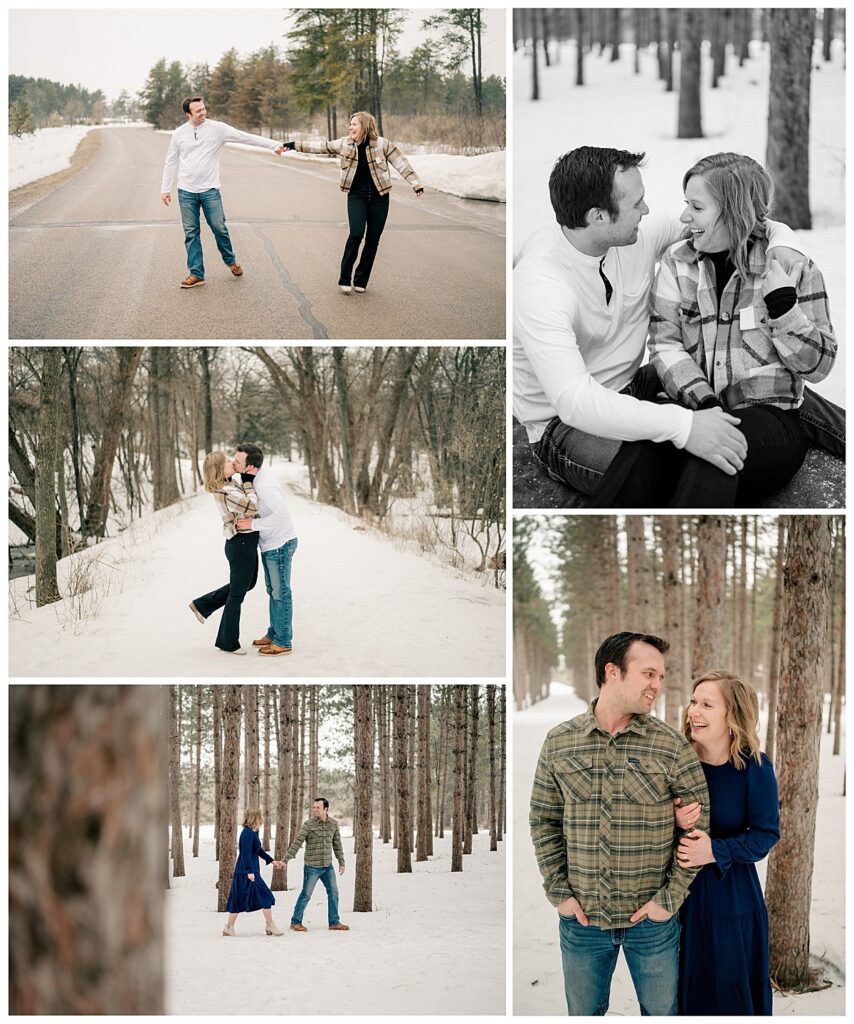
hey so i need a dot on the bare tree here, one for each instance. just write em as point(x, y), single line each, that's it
point(459, 771)
point(47, 587)
point(402, 835)
point(364, 787)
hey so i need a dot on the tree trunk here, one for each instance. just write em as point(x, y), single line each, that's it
point(580, 23)
point(162, 410)
point(228, 792)
point(710, 592)
point(790, 868)
point(404, 848)
point(787, 154)
point(776, 641)
point(424, 845)
point(175, 784)
point(671, 539)
point(47, 587)
point(690, 46)
point(535, 70)
point(493, 816)
point(459, 770)
point(87, 816)
point(363, 826)
point(267, 824)
point(283, 804)
point(217, 740)
point(253, 782)
point(197, 801)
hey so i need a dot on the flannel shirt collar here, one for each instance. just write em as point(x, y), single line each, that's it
point(588, 723)
point(685, 252)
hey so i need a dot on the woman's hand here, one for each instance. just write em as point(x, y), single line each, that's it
point(687, 816)
point(695, 849)
point(251, 877)
point(775, 277)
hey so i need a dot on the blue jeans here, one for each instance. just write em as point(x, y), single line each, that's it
point(310, 878)
point(277, 576)
point(210, 203)
point(590, 956)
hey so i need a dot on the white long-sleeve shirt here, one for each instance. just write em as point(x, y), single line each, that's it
point(195, 153)
point(275, 524)
point(572, 353)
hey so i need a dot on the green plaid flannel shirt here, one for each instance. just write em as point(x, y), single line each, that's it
point(602, 819)
point(380, 154)
point(322, 839)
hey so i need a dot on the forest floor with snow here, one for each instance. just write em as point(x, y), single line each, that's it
point(537, 974)
point(434, 943)
point(627, 111)
point(365, 604)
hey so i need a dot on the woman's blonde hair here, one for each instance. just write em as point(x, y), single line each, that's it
point(367, 126)
point(253, 817)
point(213, 473)
point(742, 716)
point(743, 190)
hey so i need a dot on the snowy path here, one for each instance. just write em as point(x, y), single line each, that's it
point(434, 943)
point(537, 974)
point(363, 607)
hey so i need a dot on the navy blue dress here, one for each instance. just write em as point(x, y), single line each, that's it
point(244, 895)
point(723, 966)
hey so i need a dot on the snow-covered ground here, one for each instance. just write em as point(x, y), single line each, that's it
point(433, 944)
point(471, 177)
point(537, 974)
point(627, 111)
point(365, 605)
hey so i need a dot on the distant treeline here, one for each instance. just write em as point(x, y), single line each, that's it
point(40, 103)
point(338, 61)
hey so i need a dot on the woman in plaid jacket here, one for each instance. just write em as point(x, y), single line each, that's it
point(366, 178)
point(728, 328)
point(235, 500)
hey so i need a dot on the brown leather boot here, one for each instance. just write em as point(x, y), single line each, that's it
point(236, 269)
point(265, 641)
point(192, 281)
point(339, 927)
point(272, 649)
point(298, 928)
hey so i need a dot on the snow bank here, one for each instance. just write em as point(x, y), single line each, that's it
point(43, 152)
point(538, 978)
point(433, 944)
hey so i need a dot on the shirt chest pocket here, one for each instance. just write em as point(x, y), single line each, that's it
point(645, 781)
point(576, 778)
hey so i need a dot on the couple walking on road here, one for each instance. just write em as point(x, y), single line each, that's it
point(195, 150)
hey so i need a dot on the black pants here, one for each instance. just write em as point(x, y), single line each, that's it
point(242, 554)
point(364, 211)
point(648, 474)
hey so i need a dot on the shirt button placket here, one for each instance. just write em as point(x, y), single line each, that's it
point(605, 831)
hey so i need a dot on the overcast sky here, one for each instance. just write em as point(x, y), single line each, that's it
point(114, 50)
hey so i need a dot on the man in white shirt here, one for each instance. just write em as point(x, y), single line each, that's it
point(580, 325)
point(278, 543)
point(194, 151)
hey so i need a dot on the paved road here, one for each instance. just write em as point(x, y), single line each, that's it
point(101, 257)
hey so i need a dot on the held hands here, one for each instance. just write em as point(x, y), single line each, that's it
point(715, 438)
point(776, 276)
point(687, 816)
point(695, 849)
point(280, 864)
point(166, 198)
point(653, 911)
point(572, 908)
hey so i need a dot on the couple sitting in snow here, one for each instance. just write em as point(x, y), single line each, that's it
point(249, 891)
point(195, 149)
point(254, 513)
point(735, 326)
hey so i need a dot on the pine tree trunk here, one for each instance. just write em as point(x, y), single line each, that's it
point(87, 815)
point(197, 801)
point(776, 641)
point(401, 711)
point(267, 824)
point(47, 587)
point(671, 529)
point(502, 761)
point(363, 826)
point(792, 31)
point(425, 818)
point(790, 867)
point(535, 45)
point(253, 782)
point(175, 784)
point(161, 405)
point(228, 792)
point(690, 46)
point(710, 592)
point(471, 810)
point(580, 20)
point(217, 740)
point(295, 763)
point(284, 756)
point(493, 815)
point(459, 771)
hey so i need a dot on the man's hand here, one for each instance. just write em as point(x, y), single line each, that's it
point(651, 910)
point(279, 150)
point(243, 524)
point(572, 908)
point(776, 276)
point(340, 869)
point(166, 198)
point(695, 850)
point(687, 816)
point(715, 438)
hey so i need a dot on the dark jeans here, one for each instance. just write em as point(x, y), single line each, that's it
point(364, 211)
point(209, 202)
point(647, 474)
point(823, 423)
point(242, 554)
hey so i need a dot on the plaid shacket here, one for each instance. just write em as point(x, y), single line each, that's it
point(380, 154)
point(322, 839)
point(703, 352)
point(602, 818)
point(236, 501)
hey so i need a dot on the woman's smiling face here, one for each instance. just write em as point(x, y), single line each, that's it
point(707, 714)
point(701, 216)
